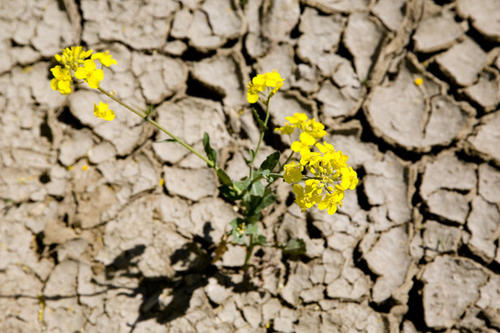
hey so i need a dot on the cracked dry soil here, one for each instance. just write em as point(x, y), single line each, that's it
point(92, 241)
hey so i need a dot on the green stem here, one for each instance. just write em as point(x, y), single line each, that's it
point(287, 160)
point(249, 253)
point(161, 128)
point(274, 174)
point(261, 137)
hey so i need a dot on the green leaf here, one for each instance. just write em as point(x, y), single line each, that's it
point(229, 193)
point(211, 153)
point(260, 240)
point(270, 161)
point(295, 246)
point(252, 156)
point(265, 173)
point(224, 178)
point(268, 199)
point(252, 229)
point(262, 126)
point(241, 185)
point(237, 237)
point(254, 218)
point(257, 189)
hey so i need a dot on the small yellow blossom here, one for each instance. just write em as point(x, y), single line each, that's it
point(162, 181)
point(418, 81)
point(300, 147)
point(311, 130)
point(261, 82)
point(105, 58)
point(103, 111)
point(241, 228)
point(293, 172)
point(349, 179)
point(331, 202)
point(85, 167)
point(90, 74)
point(309, 195)
point(62, 80)
point(73, 57)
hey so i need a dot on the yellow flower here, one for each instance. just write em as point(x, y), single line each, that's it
point(312, 130)
point(309, 195)
point(331, 202)
point(325, 147)
point(73, 57)
point(252, 93)
point(105, 58)
point(90, 74)
point(331, 174)
point(297, 120)
point(349, 179)
point(308, 156)
point(299, 146)
point(293, 172)
point(261, 82)
point(274, 80)
point(287, 129)
point(62, 80)
point(307, 138)
point(76, 60)
point(103, 111)
point(418, 81)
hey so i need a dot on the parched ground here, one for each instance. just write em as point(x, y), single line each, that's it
point(105, 229)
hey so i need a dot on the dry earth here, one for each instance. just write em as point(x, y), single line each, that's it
point(91, 241)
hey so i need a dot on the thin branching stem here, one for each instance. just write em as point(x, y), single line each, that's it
point(161, 128)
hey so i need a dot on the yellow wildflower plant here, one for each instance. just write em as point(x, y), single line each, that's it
point(330, 176)
point(103, 111)
point(261, 82)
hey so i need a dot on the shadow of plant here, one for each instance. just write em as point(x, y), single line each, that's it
point(167, 298)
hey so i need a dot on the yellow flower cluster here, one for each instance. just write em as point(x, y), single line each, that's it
point(330, 174)
point(311, 131)
point(74, 61)
point(261, 82)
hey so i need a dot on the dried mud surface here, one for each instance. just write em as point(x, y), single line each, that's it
point(92, 240)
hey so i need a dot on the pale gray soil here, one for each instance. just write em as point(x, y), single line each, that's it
point(92, 241)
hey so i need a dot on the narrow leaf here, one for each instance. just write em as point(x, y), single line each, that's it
point(270, 161)
point(211, 153)
point(224, 178)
